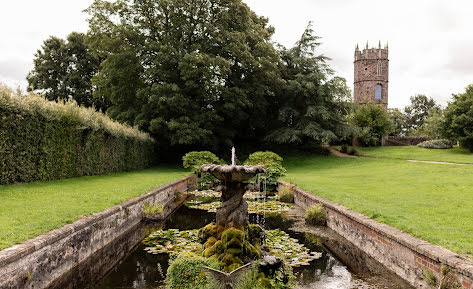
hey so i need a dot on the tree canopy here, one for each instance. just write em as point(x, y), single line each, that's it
point(197, 74)
point(313, 106)
point(63, 70)
point(458, 118)
point(201, 72)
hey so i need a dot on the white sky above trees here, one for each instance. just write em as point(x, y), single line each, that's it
point(430, 41)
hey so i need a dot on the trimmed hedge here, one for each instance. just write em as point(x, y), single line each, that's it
point(44, 140)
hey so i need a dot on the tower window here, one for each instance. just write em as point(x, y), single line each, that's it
point(380, 72)
point(378, 91)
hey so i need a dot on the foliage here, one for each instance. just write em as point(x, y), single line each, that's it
point(51, 205)
point(399, 122)
point(316, 213)
point(346, 149)
point(186, 272)
point(263, 158)
point(458, 123)
point(153, 210)
point(194, 160)
point(201, 72)
point(272, 163)
point(269, 206)
point(282, 245)
point(313, 105)
point(373, 121)
point(436, 144)
point(285, 194)
point(430, 201)
point(63, 70)
point(44, 140)
point(417, 111)
point(432, 126)
point(172, 242)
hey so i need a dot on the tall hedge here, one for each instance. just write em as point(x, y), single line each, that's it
point(44, 140)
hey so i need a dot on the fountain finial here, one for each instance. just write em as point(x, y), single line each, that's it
point(233, 157)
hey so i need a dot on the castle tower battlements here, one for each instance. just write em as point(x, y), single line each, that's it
point(371, 75)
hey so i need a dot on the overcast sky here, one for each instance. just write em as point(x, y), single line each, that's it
point(430, 41)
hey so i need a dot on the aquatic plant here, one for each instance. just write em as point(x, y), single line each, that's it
point(294, 254)
point(270, 206)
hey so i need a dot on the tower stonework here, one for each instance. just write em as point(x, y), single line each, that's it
point(371, 75)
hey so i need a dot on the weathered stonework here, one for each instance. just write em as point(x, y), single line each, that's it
point(371, 68)
point(401, 253)
point(40, 262)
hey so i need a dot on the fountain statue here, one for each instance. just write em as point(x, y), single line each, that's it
point(234, 209)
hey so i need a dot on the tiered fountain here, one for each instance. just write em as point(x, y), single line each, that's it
point(234, 209)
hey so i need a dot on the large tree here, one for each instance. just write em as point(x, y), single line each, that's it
point(417, 111)
point(63, 70)
point(202, 73)
point(458, 118)
point(314, 104)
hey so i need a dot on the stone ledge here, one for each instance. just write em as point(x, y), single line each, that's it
point(16, 252)
point(437, 253)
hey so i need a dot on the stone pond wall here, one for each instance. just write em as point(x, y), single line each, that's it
point(408, 257)
point(39, 262)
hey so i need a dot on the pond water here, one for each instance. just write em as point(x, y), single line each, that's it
point(142, 270)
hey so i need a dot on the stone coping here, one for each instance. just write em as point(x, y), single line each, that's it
point(462, 264)
point(16, 252)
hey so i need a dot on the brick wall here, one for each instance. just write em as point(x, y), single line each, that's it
point(39, 262)
point(406, 256)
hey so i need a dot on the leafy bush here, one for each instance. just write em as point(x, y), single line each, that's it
point(272, 163)
point(436, 144)
point(286, 195)
point(45, 140)
point(194, 160)
point(315, 215)
point(186, 272)
point(352, 151)
point(374, 123)
point(458, 118)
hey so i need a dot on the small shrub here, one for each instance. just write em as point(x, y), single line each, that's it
point(194, 160)
point(436, 144)
point(286, 195)
point(186, 272)
point(153, 210)
point(430, 277)
point(315, 215)
point(272, 163)
point(352, 151)
point(344, 148)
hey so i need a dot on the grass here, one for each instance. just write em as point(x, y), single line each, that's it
point(430, 201)
point(28, 210)
point(453, 155)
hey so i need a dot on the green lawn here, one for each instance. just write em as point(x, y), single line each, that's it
point(29, 210)
point(430, 201)
point(454, 155)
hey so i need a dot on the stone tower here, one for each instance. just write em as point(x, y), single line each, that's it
point(371, 75)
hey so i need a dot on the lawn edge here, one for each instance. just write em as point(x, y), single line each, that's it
point(18, 251)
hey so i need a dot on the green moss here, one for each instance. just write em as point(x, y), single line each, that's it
point(211, 230)
point(185, 272)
